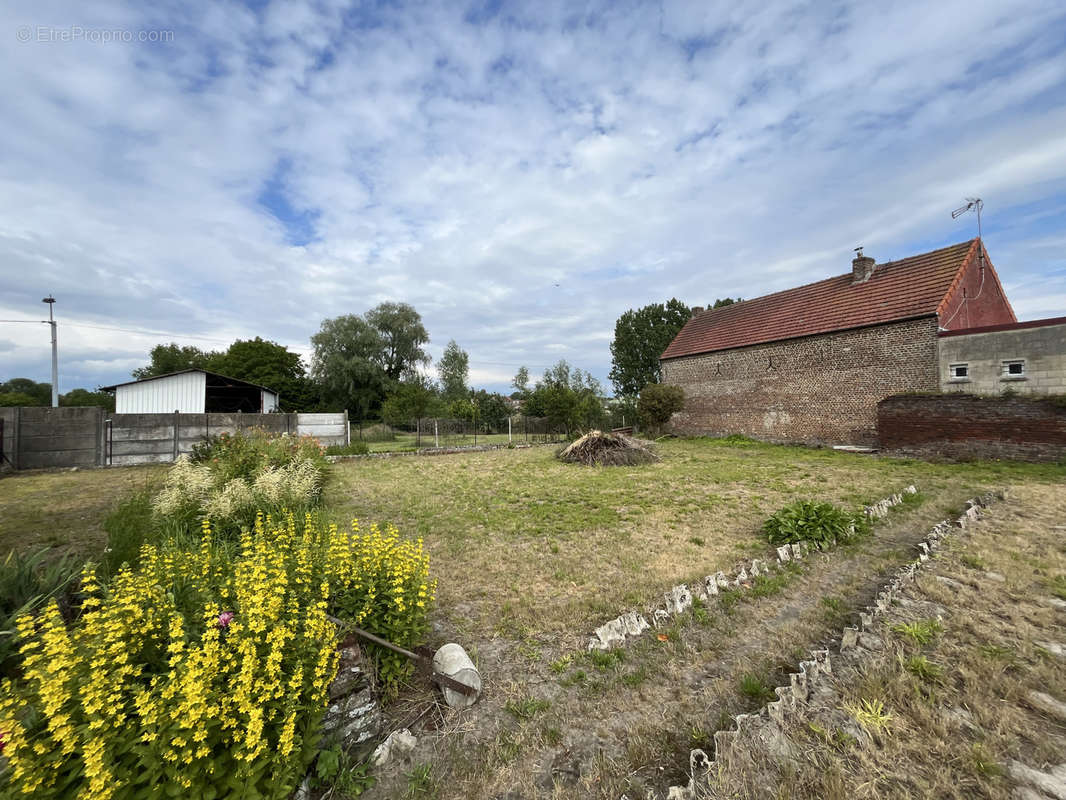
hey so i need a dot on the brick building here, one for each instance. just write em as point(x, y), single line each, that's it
point(810, 364)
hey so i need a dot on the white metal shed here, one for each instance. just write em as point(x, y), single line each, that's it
point(192, 391)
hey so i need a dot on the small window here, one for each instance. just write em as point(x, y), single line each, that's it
point(1014, 369)
point(960, 372)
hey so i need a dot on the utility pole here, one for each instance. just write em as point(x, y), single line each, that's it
point(55, 351)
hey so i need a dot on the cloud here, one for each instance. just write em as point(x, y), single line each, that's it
point(521, 174)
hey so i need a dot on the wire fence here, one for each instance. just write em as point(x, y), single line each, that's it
point(433, 432)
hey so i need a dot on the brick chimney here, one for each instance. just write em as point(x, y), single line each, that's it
point(862, 267)
point(697, 310)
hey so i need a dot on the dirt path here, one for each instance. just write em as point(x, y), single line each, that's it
point(556, 721)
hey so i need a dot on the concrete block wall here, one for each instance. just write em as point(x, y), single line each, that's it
point(37, 438)
point(1042, 348)
point(972, 426)
point(817, 389)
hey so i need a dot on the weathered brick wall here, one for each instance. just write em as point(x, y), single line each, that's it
point(819, 389)
point(971, 426)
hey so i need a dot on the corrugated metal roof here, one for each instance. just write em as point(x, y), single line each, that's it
point(184, 372)
point(897, 290)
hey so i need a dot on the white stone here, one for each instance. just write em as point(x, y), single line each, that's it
point(678, 599)
point(399, 743)
point(995, 576)
point(634, 623)
point(1055, 602)
point(1054, 648)
point(1048, 704)
point(1052, 783)
point(784, 553)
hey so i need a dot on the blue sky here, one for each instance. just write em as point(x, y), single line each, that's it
point(520, 173)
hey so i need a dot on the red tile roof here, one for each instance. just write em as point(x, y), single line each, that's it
point(897, 290)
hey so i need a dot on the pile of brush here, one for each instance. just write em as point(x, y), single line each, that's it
point(597, 448)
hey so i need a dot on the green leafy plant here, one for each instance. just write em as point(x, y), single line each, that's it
point(527, 707)
point(27, 583)
point(924, 668)
point(921, 632)
point(812, 521)
point(754, 687)
point(871, 714)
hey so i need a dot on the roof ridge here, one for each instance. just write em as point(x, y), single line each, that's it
point(842, 275)
point(905, 288)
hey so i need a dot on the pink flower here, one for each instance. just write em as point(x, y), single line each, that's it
point(224, 619)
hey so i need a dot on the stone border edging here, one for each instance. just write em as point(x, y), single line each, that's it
point(680, 598)
point(801, 684)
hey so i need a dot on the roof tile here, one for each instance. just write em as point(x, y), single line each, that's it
point(897, 290)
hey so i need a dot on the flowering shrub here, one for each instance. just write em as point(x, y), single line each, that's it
point(382, 584)
point(192, 490)
point(203, 673)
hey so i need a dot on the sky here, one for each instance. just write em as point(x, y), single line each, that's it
point(521, 174)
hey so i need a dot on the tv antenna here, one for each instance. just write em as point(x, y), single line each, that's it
point(972, 204)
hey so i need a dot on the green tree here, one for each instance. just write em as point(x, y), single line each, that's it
point(402, 335)
point(493, 409)
point(640, 337)
point(17, 399)
point(412, 399)
point(569, 398)
point(83, 397)
point(658, 402)
point(167, 358)
point(272, 365)
point(520, 382)
point(347, 363)
point(40, 394)
point(725, 301)
point(454, 370)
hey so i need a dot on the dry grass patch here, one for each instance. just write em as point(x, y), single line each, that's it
point(943, 709)
point(65, 509)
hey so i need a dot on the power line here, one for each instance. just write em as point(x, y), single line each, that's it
point(145, 332)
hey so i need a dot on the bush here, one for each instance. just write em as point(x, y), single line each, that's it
point(26, 584)
point(204, 672)
point(807, 520)
point(200, 674)
point(658, 402)
point(246, 454)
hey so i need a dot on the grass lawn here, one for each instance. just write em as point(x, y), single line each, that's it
point(525, 545)
point(402, 442)
point(65, 509)
point(532, 554)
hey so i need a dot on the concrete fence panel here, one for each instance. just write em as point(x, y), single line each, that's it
point(327, 428)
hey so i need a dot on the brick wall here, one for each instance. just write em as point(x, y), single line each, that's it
point(972, 426)
point(818, 389)
point(977, 299)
